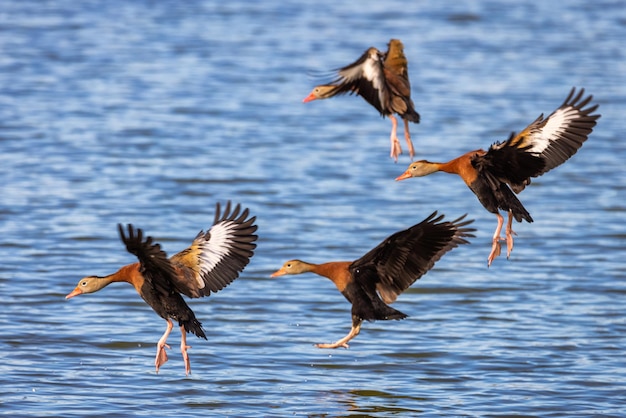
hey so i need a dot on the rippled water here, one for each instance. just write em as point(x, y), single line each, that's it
point(150, 112)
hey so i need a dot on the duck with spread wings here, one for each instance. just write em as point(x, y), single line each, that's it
point(375, 280)
point(213, 260)
point(382, 79)
point(506, 168)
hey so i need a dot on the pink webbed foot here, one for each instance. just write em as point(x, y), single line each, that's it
point(407, 137)
point(509, 236)
point(396, 149)
point(354, 331)
point(183, 349)
point(186, 360)
point(332, 345)
point(496, 249)
point(161, 356)
point(509, 243)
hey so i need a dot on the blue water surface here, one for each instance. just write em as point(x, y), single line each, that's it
point(150, 112)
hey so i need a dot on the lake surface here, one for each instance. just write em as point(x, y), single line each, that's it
point(151, 112)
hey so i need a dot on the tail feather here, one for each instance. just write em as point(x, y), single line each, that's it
point(411, 115)
point(391, 313)
point(193, 326)
point(509, 202)
point(376, 310)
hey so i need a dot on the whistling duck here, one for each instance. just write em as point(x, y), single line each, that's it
point(382, 79)
point(376, 279)
point(209, 264)
point(507, 166)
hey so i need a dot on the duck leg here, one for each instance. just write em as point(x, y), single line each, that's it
point(161, 355)
point(183, 349)
point(509, 235)
point(495, 246)
point(407, 136)
point(396, 149)
point(354, 331)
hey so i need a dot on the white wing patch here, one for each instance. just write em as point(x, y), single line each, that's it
point(216, 248)
point(555, 127)
point(372, 71)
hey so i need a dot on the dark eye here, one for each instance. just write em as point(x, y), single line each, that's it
point(84, 283)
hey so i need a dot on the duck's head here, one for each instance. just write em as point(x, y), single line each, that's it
point(418, 169)
point(88, 284)
point(292, 267)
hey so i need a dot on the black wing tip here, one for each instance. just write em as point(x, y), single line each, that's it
point(460, 232)
point(245, 227)
point(120, 229)
point(132, 235)
point(435, 218)
point(574, 100)
point(232, 215)
point(456, 227)
point(243, 239)
point(460, 222)
point(246, 224)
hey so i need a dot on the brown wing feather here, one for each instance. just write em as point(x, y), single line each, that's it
point(542, 145)
point(363, 77)
point(154, 264)
point(216, 258)
point(509, 162)
point(405, 256)
point(400, 98)
point(561, 135)
point(395, 60)
point(396, 74)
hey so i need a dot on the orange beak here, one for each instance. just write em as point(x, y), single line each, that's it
point(277, 273)
point(404, 176)
point(75, 292)
point(309, 98)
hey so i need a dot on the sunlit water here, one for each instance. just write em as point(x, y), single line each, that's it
point(151, 112)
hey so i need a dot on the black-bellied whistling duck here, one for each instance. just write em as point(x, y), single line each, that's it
point(212, 262)
point(376, 279)
point(382, 79)
point(507, 166)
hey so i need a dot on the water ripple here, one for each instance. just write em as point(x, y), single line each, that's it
point(149, 113)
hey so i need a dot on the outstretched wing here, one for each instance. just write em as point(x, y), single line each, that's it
point(508, 162)
point(155, 266)
point(405, 256)
point(216, 258)
point(542, 145)
point(558, 137)
point(364, 77)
